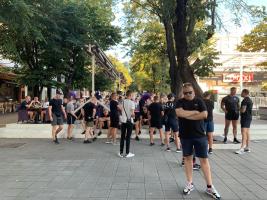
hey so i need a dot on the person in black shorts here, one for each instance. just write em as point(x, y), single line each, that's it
point(191, 112)
point(155, 113)
point(230, 105)
point(246, 118)
point(208, 123)
point(137, 123)
point(171, 123)
point(55, 111)
point(114, 119)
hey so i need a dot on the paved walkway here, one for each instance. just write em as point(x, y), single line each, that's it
point(41, 170)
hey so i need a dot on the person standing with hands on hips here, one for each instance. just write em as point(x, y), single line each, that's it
point(128, 107)
point(191, 112)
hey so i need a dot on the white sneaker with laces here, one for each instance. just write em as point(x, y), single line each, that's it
point(188, 188)
point(240, 151)
point(130, 155)
point(213, 192)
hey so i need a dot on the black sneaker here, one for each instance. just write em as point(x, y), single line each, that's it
point(152, 143)
point(87, 141)
point(171, 139)
point(168, 149)
point(83, 132)
point(178, 150)
point(162, 144)
point(69, 138)
point(56, 141)
point(236, 141)
point(139, 133)
point(94, 139)
point(137, 138)
point(210, 151)
point(225, 140)
point(196, 166)
point(99, 133)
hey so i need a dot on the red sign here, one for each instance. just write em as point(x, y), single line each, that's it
point(235, 77)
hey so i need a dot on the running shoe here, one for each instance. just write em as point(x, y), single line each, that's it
point(162, 144)
point(213, 192)
point(137, 138)
point(196, 166)
point(152, 143)
point(94, 139)
point(83, 132)
point(188, 188)
point(168, 149)
point(87, 141)
point(236, 141)
point(56, 141)
point(240, 151)
point(178, 150)
point(247, 150)
point(171, 139)
point(120, 155)
point(225, 140)
point(210, 151)
point(99, 133)
point(129, 155)
point(108, 142)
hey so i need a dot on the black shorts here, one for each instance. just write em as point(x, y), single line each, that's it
point(156, 124)
point(114, 121)
point(245, 123)
point(200, 145)
point(70, 119)
point(171, 124)
point(137, 117)
point(232, 116)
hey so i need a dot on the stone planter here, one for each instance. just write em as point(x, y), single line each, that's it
point(263, 113)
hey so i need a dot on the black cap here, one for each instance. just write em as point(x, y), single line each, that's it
point(171, 95)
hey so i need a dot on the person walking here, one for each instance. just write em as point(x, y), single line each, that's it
point(55, 111)
point(208, 123)
point(155, 113)
point(71, 117)
point(191, 112)
point(246, 118)
point(128, 107)
point(230, 105)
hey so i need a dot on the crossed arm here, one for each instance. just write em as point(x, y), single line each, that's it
point(191, 114)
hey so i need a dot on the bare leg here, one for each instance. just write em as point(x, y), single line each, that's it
point(204, 162)
point(151, 131)
point(188, 163)
point(114, 135)
point(177, 140)
point(70, 128)
point(167, 138)
point(161, 135)
point(210, 139)
point(54, 130)
point(226, 127)
point(248, 138)
point(234, 124)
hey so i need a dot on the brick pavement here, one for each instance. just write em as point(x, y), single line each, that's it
point(40, 170)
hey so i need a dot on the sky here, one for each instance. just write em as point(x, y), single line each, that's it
point(232, 29)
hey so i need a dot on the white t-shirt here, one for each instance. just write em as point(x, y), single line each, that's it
point(129, 106)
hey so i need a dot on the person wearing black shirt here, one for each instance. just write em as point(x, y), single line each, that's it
point(208, 123)
point(246, 118)
point(114, 119)
point(171, 123)
point(55, 111)
point(89, 112)
point(230, 105)
point(191, 112)
point(155, 113)
point(25, 105)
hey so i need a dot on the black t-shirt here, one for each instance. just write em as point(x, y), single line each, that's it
point(56, 106)
point(210, 107)
point(249, 105)
point(231, 103)
point(88, 111)
point(155, 110)
point(23, 105)
point(170, 110)
point(191, 128)
point(114, 108)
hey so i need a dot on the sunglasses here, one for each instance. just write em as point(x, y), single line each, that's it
point(190, 92)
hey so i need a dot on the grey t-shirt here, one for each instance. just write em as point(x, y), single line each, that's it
point(129, 106)
point(70, 107)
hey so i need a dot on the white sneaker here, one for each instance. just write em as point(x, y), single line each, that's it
point(129, 155)
point(120, 155)
point(240, 151)
point(188, 188)
point(108, 142)
point(247, 150)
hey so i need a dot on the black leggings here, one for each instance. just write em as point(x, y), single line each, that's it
point(126, 132)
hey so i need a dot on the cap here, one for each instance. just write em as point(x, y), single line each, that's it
point(59, 92)
point(171, 95)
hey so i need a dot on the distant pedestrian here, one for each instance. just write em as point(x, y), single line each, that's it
point(246, 118)
point(155, 113)
point(208, 122)
point(127, 119)
point(191, 112)
point(56, 110)
point(230, 105)
point(71, 117)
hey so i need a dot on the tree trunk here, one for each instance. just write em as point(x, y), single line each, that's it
point(176, 81)
point(184, 69)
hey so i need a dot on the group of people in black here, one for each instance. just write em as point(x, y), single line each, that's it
point(188, 121)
